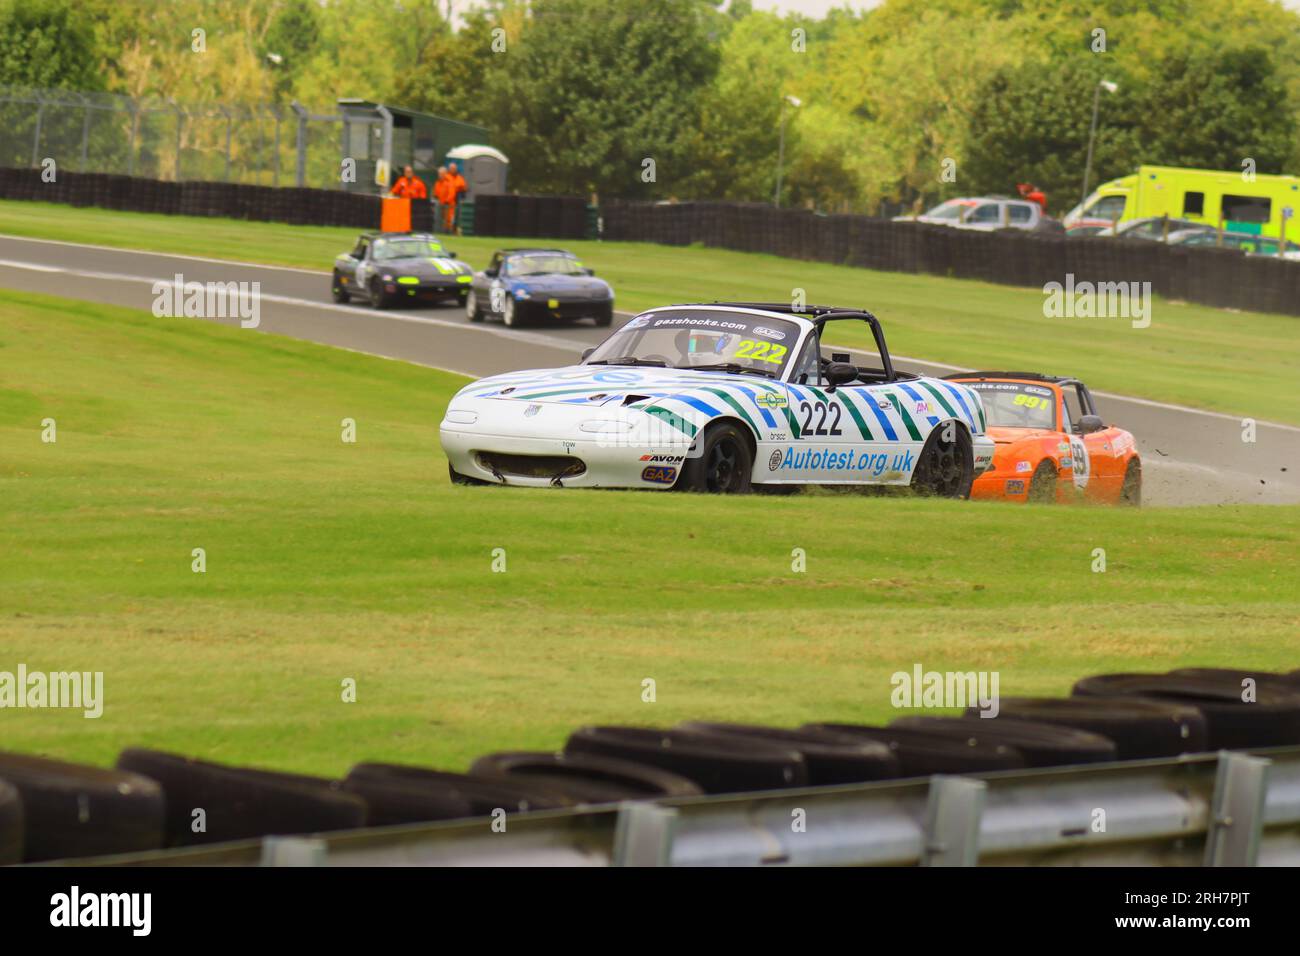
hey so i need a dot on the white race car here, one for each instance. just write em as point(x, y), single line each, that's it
point(719, 397)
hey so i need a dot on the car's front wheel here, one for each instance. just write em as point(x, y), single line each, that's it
point(472, 310)
point(1130, 493)
point(377, 297)
point(724, 464)
point(604, 317)
point(508, 314)
point(338, 291)
point(946, 468)
point(1042, 487)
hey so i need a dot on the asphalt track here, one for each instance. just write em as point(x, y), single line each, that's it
point(1189, 456)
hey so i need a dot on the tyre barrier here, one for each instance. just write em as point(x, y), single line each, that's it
point(1140, 729)
point(1271, 719)
point(71, 810)
point(584, 777)
point(415, 790)
point(214, 803)
point(830, 758)
point(1042, 745)
point(716, 765)
point(52, 810)
point(11, 824)
point(923, 752)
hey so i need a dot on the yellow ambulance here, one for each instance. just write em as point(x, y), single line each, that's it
point(1253, 203)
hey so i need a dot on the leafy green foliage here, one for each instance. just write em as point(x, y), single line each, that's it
point(584, 91)
point(47, 44)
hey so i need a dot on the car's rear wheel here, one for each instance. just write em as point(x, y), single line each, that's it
point(472, 310)
point(377, 297)
point(336, 289)
point(724, 464)
point(1042, 487)
point(1130, 493)
point(946, 467)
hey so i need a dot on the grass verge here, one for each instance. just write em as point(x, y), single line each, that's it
point(327, 561)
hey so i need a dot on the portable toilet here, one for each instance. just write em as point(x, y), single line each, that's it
point(483, 167)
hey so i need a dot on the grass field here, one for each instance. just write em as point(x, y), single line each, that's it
point(327, 561)
point(1239, 363)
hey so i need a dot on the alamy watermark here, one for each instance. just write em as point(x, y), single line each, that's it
point(208, 300)
point(922, 688)
point(78, 690)
point(1098, 300)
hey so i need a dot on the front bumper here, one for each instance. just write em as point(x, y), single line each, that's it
point(983, 448)
point(440, 288)
point(540, 307)
point(548, 448)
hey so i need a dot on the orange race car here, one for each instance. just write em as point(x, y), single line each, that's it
point(1050, 443)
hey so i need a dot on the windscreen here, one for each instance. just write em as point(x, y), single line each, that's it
point(952, 209)
point(703, 339)
point(1016, 405)
point(408, 248)
point(542, 264)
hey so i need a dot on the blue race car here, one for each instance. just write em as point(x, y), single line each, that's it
point(538, 285)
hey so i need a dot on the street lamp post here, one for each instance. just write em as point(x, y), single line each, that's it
point(1109, 87)
point(780, 149)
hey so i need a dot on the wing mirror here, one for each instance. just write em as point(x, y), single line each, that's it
point(1091, 423)
point(451, 255)
point(589, 271)
point(586, 353)
point(840, 373)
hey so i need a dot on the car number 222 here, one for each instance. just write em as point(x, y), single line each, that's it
point(820, 411)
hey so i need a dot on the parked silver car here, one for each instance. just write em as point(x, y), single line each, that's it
point(986, 213)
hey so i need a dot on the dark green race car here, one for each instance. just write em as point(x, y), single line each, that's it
point(387, 268)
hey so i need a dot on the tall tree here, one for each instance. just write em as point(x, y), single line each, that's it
point(602, 94)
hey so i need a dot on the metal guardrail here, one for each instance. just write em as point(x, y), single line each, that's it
point(1224, 809)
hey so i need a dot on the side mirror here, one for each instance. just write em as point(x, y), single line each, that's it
point(589, 271)
point(840, 373)
point(586, 353)
point(490, 273)
point(1091, 423)
point(451, 255)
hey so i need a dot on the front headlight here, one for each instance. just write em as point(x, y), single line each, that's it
point(605, 427)
point(459, 416)
point(387, 278)
point(521, 293)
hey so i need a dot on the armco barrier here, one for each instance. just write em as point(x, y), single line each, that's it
point(1216, 277)
point(1224, 809)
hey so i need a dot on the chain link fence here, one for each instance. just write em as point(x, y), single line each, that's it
point(257, 144)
